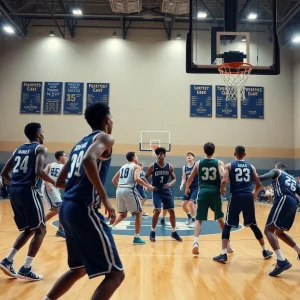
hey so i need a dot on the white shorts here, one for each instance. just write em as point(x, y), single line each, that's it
point(128, 200)
point(52, 198)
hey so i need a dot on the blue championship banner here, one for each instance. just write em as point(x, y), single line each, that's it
point(73, 103)
point(52, 97)
point(31, 97)
point(253, 106)
point(201, 101)
point(97, 92)
point(224, 109)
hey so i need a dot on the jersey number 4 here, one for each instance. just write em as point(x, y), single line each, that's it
point(209, 173)
point(242, 175)
point(21, 165)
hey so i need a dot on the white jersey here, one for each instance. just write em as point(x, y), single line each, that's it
point(126, 179)
point(54, 170)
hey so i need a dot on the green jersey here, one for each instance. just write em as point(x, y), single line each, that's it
point(208, 173)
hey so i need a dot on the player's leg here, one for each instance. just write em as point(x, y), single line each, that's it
point(157, 202)
point(192, 207)
point(163, 220)
point(186, 208)
point(142, 196)
point(121, 206)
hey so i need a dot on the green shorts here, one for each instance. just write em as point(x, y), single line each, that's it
point(209, 198)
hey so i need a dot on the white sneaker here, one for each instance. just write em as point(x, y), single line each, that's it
point(192, 224)
point(195, 250)
point(188, 221)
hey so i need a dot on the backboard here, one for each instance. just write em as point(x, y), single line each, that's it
point(151, 139)
point(233, 31)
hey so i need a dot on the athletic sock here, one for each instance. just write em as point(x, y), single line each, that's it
point(11, 254)
point(297, 249)
point(196, 239)
point(28, 261)
point(193, 219)
point(46, 298)
point(174, 229)
point(279, 255)
point(263, 247)
point(137, 235)
point(153, 229)
point(189, 215)
point(224, 251)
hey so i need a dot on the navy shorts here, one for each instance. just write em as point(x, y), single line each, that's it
point(283, 212)
point(242, 202)
point(163, 199)
point(90, 243)
point(193, 195)
point(142, 193)
point(27, 207)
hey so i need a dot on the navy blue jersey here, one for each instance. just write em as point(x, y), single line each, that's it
point(138, 186)
point(284, 185)
point(188, 171)
point(241, 177)
point(79, 188)
point(23, 172)
point(160, 175)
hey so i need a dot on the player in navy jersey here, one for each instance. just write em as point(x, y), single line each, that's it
point(142, 190)
point(241, 175)
point(26, 166)
point(282, 214)
point(162, 195)
point(90, 244)
point(189, 201)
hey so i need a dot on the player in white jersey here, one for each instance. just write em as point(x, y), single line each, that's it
point(127, 197)
point(50, 193)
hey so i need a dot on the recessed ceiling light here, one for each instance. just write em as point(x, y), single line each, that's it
point(296, 39)
point(77, 11)
point(8, 29)
point(252, 16)
point(51, 33)
point(202, 14)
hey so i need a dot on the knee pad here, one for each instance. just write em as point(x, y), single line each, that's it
point(256, 231)
point(226, 232)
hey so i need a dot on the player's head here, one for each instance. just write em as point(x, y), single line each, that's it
point(281, 166)
point(132, 157)
point(98, 117)
point(34, 132)
point(160, 153)
point(239, 152)
point(190, 156)
point(209, 149)
point(141, 165)
point(61, 156)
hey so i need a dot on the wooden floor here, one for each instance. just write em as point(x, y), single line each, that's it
point(162, 270)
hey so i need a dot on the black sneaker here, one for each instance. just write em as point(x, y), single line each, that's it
point(60, 233)
point(163, 222)
point(280, 267)
point(8, 268)
point(152, 236)
point(298, 257)
point(176, 237)
point(267, 254)
point(222, 258)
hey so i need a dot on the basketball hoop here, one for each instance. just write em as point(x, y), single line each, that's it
point(154, 147)
point(235, 76)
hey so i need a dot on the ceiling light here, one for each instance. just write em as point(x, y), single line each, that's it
point(296, 39)
point(8, 29)
point(202, 14)
point(178, 36)
point(252, 16)
point(243, 40)
point(51, 33)
point(115, 34)
point(77, 11)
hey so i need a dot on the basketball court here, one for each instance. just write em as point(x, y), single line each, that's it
point(232, 80)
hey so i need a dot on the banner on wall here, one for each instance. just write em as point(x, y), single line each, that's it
point(31, 97)
point(73, 102)
point(224, 109)
point(201, 101)
point(97, 92)
point(253, 106)
point(52, 97)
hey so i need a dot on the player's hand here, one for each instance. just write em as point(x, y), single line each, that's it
point(181, 187)
point(167, 185)
point(109, 211)
point(150, 187)
point(254, 196)
point(187, 191)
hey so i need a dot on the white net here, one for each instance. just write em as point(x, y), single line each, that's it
point(235, 76)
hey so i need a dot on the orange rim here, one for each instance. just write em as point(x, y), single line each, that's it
point(235, 65)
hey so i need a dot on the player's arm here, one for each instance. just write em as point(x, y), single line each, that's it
point(61, 181)
point(183, 178)
point(39, 165)
point(116, 179)
point(257, 182)
point(191, 177)
point(221, 168)
point(273, 174)
point(102, 143)
point(225, 178)
point(173, 177)
point(48, 186)
point(139, 180)
point(7, 168)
